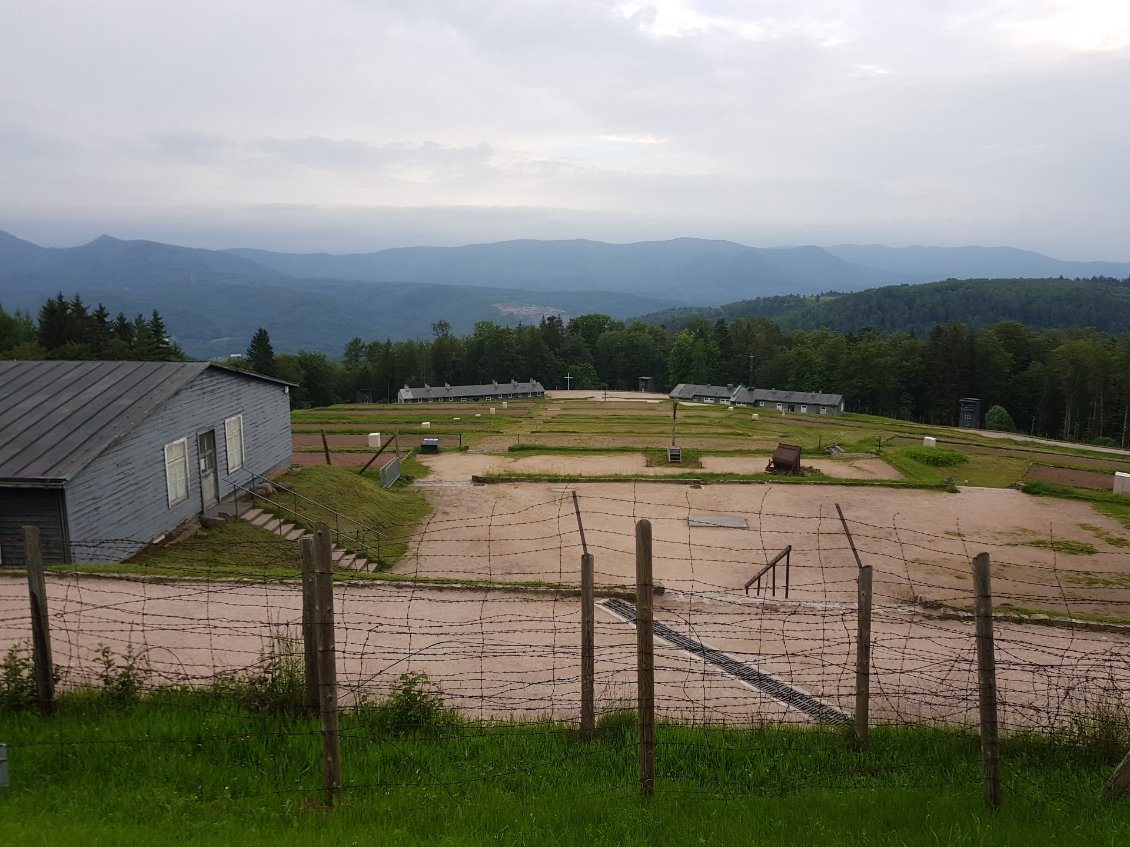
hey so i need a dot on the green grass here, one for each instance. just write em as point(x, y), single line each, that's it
point(1109, 537)
point(325, 492)
point(987, 471)
point(236, 550)
point(1064, 546)
point(201, 768)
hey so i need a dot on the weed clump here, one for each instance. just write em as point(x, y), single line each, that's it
point(17, 678)
point(277, 684)
point(414, 705)
point(123, 677)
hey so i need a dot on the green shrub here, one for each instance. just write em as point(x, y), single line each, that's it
point(414, 705)
point(998, 418)
point(937, 457)
point(123, 677)
point(17, 681)
point(277, 685)
point(1102, 729)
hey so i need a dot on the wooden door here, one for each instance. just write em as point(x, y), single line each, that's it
point(209, 481)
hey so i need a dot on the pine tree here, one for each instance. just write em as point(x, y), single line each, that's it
point(260, 354)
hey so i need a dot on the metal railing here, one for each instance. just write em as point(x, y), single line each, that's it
point(345, 532)
point(771, 569)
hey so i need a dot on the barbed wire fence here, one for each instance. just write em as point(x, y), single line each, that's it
point(486, 608)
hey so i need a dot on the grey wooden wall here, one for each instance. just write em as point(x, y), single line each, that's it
point(120, 502)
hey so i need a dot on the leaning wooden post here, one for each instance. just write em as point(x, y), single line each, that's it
point(987, 679)
point(1119, 782)
point(326, 447)
point(863, 658)
point(588, 648)
point(327, 662)
point(645, 659)
point(309, 623)
point(40, 626)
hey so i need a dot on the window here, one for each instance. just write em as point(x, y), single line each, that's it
point(804, 408)
point(780, 408)
point(233, 434)
point(176, 471)
point(823, 410)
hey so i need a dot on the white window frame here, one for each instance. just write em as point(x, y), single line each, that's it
point(804, 409)
point(823, 410)
point(780, 407)
point(240, 459)
point(177, 489)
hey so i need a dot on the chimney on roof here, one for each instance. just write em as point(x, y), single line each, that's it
point(426, 386)
point(495, 382)
point(514, 382)
point(447, 385)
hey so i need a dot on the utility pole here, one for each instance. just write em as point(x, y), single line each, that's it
point(749, 385)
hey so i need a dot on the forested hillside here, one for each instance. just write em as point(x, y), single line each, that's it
point(1100, 303)
point(1073, 384)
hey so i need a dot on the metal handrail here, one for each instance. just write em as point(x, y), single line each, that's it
point(785, 554)
point(355, 542)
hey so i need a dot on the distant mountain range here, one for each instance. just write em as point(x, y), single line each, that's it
point(214, 300)
point(1037, 303)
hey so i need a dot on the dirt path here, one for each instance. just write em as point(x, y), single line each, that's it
point(494, 655)
point(920, 542)
point(462, 466)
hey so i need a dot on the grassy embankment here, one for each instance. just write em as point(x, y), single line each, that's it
point(239, 550)
point(205, 768)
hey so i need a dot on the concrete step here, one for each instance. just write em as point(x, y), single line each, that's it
point(251, 514)
point(293, 533)
point(265, 520)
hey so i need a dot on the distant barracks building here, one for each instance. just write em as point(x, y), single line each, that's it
point(802, 402)
point(512, 390)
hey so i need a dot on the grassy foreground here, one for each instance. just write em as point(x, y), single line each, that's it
point(204, 768)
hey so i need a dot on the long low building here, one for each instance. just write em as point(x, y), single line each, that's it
point(446, 393)
point(802, 402)
point(703, 393)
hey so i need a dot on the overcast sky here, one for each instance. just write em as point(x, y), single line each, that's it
point(353, 126)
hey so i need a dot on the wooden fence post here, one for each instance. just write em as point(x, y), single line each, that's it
point(987, 679)
point(327, 662)
point(588, 648)
point(326, 447)
point(1119, 781)
point(863, 658)
point(645, 659)
point(40, 625)
point(309, 623)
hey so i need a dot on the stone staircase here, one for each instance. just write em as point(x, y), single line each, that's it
point(342, 559)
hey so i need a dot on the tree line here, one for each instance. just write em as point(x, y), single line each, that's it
point(69, 329)
point(1072, 384)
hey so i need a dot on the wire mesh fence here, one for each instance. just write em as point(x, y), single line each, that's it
point(486, 607)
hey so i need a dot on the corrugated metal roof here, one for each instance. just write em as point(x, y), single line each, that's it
point(455, 392)
point(57, 417)
point(688, 391)
point(770, 395)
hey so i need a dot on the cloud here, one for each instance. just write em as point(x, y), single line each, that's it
point(958, 122)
